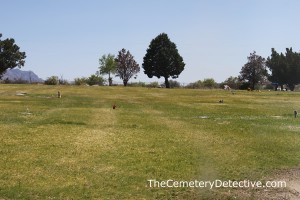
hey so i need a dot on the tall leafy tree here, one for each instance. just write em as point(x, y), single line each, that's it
point(127, 67)
point(254, 71)
point(10, 55)
point(108, 66)
point(293, 68)
point(278, 68)
point(284, 68)
point(162, 59)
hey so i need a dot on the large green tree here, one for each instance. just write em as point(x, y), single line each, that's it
point(127, 67)
point(108, 66)
point(254, 71)
point(293, 68)
point(10, 55)
point(284, 68)
point(162, 59)
point(278, 68)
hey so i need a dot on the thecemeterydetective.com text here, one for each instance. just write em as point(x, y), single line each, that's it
point(170, 183)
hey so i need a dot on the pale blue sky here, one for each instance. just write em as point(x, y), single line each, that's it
point(214, 37)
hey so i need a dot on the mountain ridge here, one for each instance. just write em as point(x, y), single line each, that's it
point(17, 75)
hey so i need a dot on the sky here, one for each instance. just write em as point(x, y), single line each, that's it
point(66, 38)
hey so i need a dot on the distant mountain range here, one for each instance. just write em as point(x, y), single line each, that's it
point(17, 75)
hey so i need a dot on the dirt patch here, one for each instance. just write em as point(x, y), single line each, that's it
point(277, 116)
point(294, 127)
point(203, 117)
point(292, 178)
point(21, 93)
point(290, 192)
point(224, 123)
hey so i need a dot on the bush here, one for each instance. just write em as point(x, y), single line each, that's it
point(15, 81)
point(205, 84)
point(137, 84)
point(53, 80)
point(174, 84)
point(95, 80)
point(232, 82)
point(62, 81)
point(210, 83)
point(195, 85)
point(269, 87)
point(80, 81)
point(153, 85)
point(244, 86)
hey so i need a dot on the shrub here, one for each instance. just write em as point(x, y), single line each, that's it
point(174, 84)
point(137, 84)
point(15, 81)
point(53, 80)
point(244, 86)
point(195, 85)
point(63, 81)
point(95, 80)
point(205, 84)
point(210, 83)
point(80, 81)
point(232, 82)
point(153, 85)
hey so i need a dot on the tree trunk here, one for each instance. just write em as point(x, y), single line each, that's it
point(109, 79)
point(276, 86)
point(125, 83)
point(253, 86)
point(167, 82)
point(292, 87)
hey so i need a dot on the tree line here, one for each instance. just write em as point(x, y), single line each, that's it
point(284, 69)
point(162, 59)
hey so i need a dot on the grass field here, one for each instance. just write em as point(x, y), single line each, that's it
point(78, 147)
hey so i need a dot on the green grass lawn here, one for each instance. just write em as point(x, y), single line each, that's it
point(78, 147)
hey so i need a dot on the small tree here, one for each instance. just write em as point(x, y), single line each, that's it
point(126, 66)
point(10, 56)
point(107, 66)
point(53, 80)
point(254, 71)
point(162, 59)
point(95, 80)
point(209, 83)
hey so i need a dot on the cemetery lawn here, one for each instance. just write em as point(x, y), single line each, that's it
point(78, 147)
